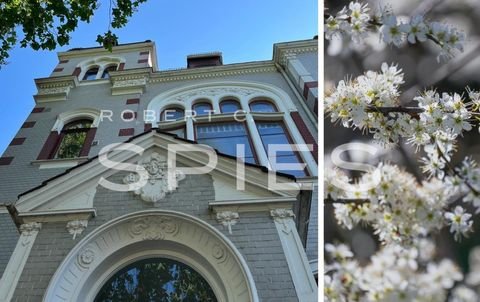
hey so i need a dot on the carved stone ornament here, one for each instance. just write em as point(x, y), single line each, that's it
point(154, 173)
point(27, 230)
point(129, 83)
point(282, 216)
point(86, 257)
point(216, 91)
point(153, 228)
point(76, 227)
point(227, 219)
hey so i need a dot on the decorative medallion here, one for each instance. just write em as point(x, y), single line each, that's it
point(86, 257)
point(156, 177)
point(152, 228)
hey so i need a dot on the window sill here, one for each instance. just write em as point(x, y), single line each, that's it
point(267, 116)
point(59, 162)
point(93, 82)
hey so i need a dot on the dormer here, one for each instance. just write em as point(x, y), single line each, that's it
point(78, 61)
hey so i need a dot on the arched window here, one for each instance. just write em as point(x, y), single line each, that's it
point(157, 279)
point(72, 139)
point(262, 106)
point(106, 71)
point(172, 114)
point(91, 74)
point(202, 108)
point(230, 106)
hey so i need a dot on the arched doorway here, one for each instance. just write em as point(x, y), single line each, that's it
point(153, 234)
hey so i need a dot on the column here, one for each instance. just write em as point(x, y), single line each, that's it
point(14, 269)
point(297, 261)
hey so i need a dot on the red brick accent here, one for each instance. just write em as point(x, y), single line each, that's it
point(147, 127)
point(307, 86)
point(88, 142)
point(129, 115)
point(17, 141)
point(142, 61)
point(38, 109)
point(77, 71)
point(58, 69)
point(133, 101)
point(307, 136)
point(144, 53)
point(49, 146)
point(126, 132)
point(121, 66)
point(28, 124)
point(63, 62)
point(4, 161)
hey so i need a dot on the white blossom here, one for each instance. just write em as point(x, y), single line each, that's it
point(416, 29)
point(391, 32)
point(459, 221)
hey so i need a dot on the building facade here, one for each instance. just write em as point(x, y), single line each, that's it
point(130, 183)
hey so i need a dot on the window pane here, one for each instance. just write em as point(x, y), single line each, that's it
point(229, 106)
point(225, 137)
point(261, 106)
point(180, 132)
point(202, 108)
point(274, 133)
point(91, 74)
point(156, 280)
point(107, 70)
point(172, 114)
point(71, 144)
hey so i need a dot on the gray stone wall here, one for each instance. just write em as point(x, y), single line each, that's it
point(8, 239)
point(255, 236)
point(21, 175)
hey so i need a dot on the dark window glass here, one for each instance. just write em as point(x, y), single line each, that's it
point(156, 280)
point(172, 114)
point(275, 133)
point(91, 74)
point(72, 139)
point(106, 71)
point(262, 106)
point(224, 137)
point(202, 108)
point(230, 106)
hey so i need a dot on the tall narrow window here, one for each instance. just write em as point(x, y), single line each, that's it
point(262, 106)
point(274, 133)
point(156, 280)
point(202, 108)
point(230, 106)
point(72, 139)
point(225, 137)
point(172, 114)
point(106, 71)
point(91, 74)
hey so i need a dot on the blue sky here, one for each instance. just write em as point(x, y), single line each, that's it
point(242, 30)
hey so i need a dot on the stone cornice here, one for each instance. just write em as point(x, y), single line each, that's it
point(92, 51)
point(282, 50)
point(54, 88)
point(212, 72)
point(55, 215)
point(252, 205)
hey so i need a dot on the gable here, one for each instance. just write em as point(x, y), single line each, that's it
point(73, 192)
